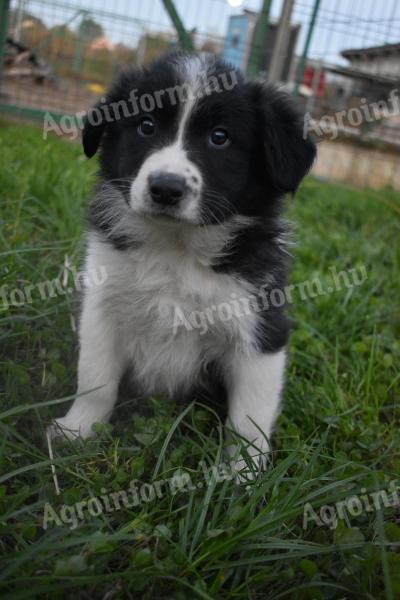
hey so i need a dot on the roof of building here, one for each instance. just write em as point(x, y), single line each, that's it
point(356, 74)
point(372, 51)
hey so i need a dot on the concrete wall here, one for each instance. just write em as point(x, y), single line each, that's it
point(358, 166)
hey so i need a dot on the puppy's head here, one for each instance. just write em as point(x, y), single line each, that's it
point(189, 139)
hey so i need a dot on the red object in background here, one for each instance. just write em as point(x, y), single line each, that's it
point(308, 80)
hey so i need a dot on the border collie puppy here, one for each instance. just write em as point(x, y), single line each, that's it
point(186, 224)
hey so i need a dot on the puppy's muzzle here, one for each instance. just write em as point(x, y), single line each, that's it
point(166, 189)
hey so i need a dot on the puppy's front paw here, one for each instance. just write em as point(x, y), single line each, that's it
point(247, 462)
point(70, 430)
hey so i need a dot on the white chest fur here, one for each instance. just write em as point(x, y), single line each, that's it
point(163, 299)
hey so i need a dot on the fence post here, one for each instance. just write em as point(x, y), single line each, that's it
point(4, 8)
point(260, 32)
point(80, 42)
point(184, 38)
point(281, 43)
point(302, 62)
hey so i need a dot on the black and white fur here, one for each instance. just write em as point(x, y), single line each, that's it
point(225, 236)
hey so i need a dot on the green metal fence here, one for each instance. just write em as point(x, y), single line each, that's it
point(335, 56)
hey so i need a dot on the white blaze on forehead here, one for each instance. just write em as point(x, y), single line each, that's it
point(193, 69)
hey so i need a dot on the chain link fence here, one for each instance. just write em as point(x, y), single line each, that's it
point(340, 59)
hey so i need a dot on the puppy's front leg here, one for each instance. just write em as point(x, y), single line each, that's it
point(254, 389)
point(99, 371)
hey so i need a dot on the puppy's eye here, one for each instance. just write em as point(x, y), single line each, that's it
point(146, 127)
point(219, 137)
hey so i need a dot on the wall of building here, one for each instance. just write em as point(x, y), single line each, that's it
point(358, 166)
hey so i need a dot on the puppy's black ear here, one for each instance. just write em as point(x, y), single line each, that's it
point(93, 128)
point(289, 151)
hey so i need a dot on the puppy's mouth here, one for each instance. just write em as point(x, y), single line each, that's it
point(163, 214)
point(167, 219)
point(165, 202)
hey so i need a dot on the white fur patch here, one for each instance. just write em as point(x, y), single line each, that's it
point(143, 288)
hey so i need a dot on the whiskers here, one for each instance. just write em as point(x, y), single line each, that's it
point(218, 208)
point(109, 207)
point(122, 184)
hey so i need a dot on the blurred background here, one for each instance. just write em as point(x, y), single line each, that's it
point(339, 58)
point(338, 437)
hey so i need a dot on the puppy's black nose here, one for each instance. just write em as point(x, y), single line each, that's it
point(166, 188)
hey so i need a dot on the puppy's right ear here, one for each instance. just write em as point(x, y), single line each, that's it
point(93, 128)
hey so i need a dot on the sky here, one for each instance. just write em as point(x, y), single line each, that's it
point(340, 24)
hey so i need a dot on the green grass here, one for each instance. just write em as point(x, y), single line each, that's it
point(338, 433)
